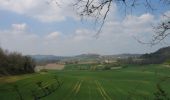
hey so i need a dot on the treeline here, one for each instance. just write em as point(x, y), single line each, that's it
point(12, 63)
point(160, 56)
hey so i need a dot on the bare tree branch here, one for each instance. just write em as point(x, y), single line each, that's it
point(99, 9)
point(162, 30)
point(94, 8)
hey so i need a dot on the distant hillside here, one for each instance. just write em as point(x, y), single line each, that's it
point(159, 56)
point(42, 57)
point(161, 53)
point(81, 57)
point(52, 58)
point(88, 56)
point(46, 58)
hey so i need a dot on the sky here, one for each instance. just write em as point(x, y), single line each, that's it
point(44, 27)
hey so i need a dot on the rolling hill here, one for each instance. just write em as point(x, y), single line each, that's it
point(81, 57)
point(163, 53)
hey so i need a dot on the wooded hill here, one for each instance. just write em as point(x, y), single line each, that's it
point(159, 56)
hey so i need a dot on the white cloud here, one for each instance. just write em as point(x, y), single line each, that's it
point(53, 35)
point(138, 20)
point(43, 10)
point(16, 40)
point(18, 6)
point(81, 34)
point(130, 26)
point(46, 10)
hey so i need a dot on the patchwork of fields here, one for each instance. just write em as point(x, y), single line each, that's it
point(129, 83)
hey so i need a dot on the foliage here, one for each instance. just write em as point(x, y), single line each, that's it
point(12, 63)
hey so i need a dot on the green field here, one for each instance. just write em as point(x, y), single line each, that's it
point(128, 83)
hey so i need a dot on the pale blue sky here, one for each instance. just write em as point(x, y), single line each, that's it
point(33, 27)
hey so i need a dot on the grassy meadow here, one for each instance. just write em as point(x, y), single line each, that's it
point(132, 82)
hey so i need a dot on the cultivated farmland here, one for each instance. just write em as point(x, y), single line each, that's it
point(129, 83)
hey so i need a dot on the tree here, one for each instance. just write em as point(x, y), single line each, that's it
point(15, 63)
point(3, 62)
point(100, 9)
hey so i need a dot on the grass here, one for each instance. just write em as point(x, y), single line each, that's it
point(132, 82)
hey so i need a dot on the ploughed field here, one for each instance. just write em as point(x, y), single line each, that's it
point(127, 83)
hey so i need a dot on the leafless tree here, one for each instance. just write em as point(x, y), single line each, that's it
point(101, 8)
point(162, 30)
